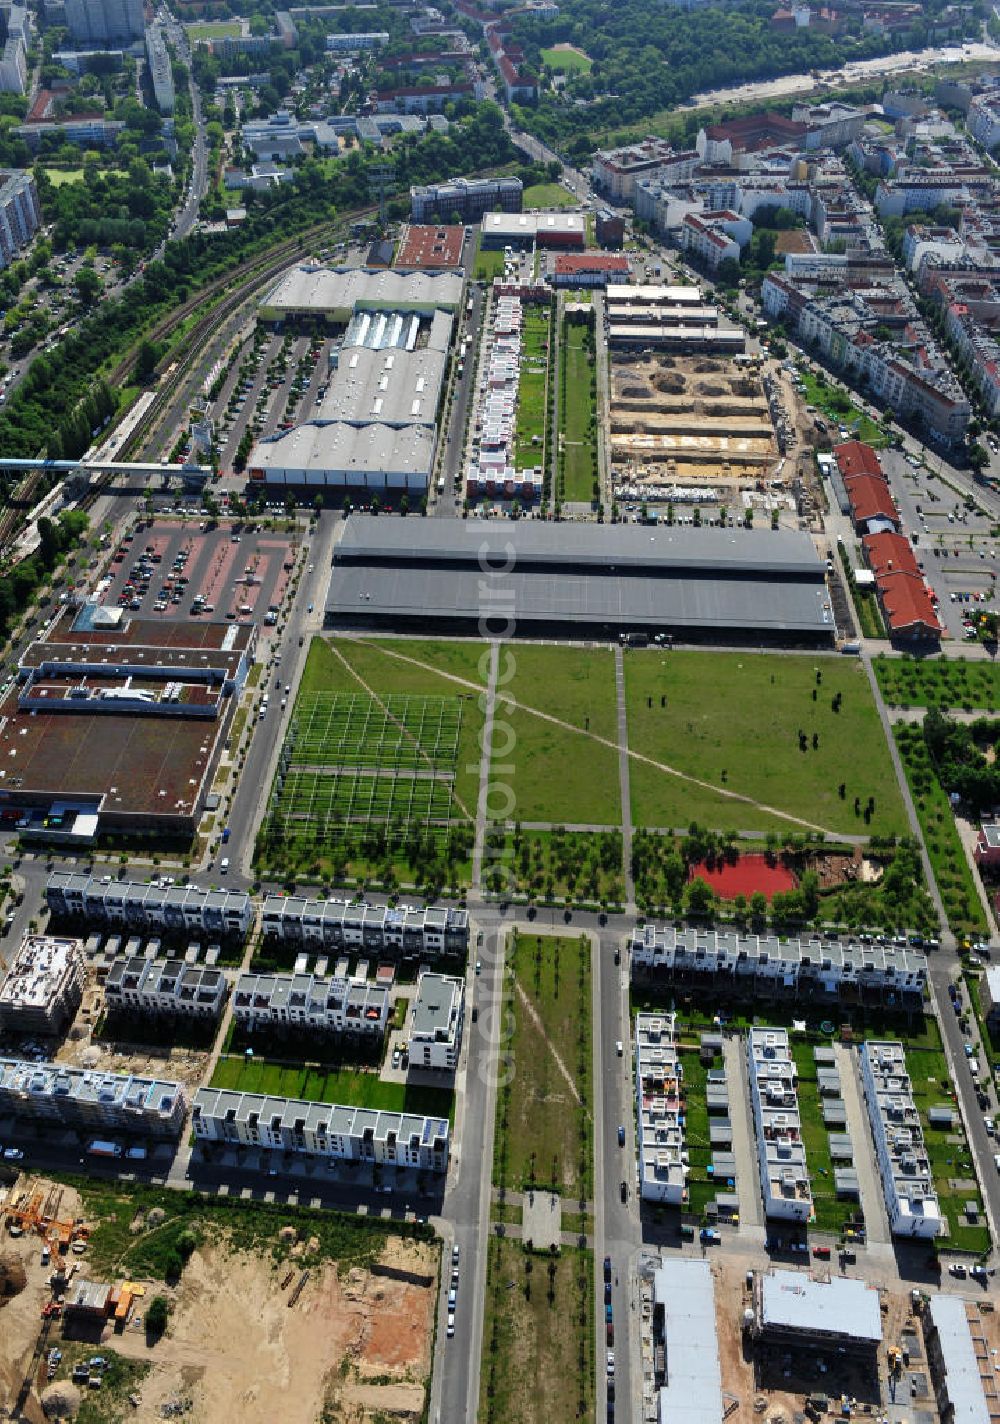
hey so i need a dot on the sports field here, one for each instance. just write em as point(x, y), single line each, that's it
point(734, 720)
point(567, 58)
point(200, 30)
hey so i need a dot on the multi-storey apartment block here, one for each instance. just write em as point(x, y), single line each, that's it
point(470, 198)
point(44, 985)
point(164, 986)
point(781, 1152)
point(339, 924)
point(130, 902)
point(659, 1109)
point(907, 1183)
point(20, 214)
point(747, 966)
point(160, 70)
point(436, 1022)
point(344, 1134)
point(318, 1005)
point(91, 1101)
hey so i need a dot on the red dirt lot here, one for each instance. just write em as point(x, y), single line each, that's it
point(746, 876)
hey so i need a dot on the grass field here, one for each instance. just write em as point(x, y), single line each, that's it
point(841, 410)
point(829, 1212)
point(570, 61)
point(577, 413)
point(702, 1188)
point(947, 1151)
point(945, 682)
point(560, 776)
point(353, 1089)
point(58, 177)
point(732, 719)
point(545, 1128)
point(538, 1337)
point(547, 195)
point(948, 861)
point(213, 30)
point(487, 265)
point(532, 388)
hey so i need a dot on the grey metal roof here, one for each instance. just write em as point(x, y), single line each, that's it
point(961, 1368)
point(841, 1147)
point(845, 1180)
point(837, 1306)
point(835, 1113)
point(394, 387)
point(692, 1393)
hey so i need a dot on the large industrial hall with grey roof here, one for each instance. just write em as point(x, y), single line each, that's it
point(579, 580)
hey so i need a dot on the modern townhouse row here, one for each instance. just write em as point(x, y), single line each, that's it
point(103, 900)
point(164, 987)
point(399, 931)
point(659, 1081)
point(781, 1153)
point(903, 1164)
point(87, 1100)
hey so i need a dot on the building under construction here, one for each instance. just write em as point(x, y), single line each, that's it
point(809, 1324)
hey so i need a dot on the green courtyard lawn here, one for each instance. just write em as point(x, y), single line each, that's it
point(487, 264)
point(937, 822)
point(548, 196)
point(947, 1150)
point(945, 682)
point(559, 776)
point(545, 1126)
point(829, 1212)
point(533, 387)
point(578, 413)
point(58, 177)
point(569, 59)
point(733, 720)
point(702, 1188)
point(538, 1336)
point(343, 1085)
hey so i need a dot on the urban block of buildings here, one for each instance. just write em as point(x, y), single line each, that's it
point(668, 319)
point(904, 1167)
point(97, 22)
point(465, 200)
point(659, 1111)
point(164, 988)
point(437, 1019)
point(728, 964)
point(336, 1006)
point(342, 1134)
point(394, 931)
point(493, 466)
point(44, 985)
point(781, 1152)
point(88, 1100)
point(133, 902)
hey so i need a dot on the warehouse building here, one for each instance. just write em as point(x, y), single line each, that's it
point(660, 1111)
point(667, 319)
point(44, 985)
point(728, 964)
point(581, 580)
point(685, 1344)
point(378, 458)
point(436, 1022)
point(781, 1153)
point(907, 1181)
point(333, 296)
point(131, 902)
point(796, 1311)
point(89, 1100)
point(343, 1134)
point(167, 988)
point(523, 231)
point(961, 1362)
point(336, 1006)
point(394, 931)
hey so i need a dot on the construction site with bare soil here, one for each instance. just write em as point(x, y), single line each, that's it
point(214, 1327)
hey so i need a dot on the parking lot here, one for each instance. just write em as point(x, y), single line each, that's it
point(953, 537)
point(174, 571)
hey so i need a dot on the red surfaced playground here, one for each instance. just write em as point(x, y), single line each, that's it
point(746, 876)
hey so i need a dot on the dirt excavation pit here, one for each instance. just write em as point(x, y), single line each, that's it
point(355, 1347)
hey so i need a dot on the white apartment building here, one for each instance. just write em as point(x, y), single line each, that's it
point(44, 985)
point(335, 1006)
point(749, 966)
point(131, 902)
point(354, 44)
point(781, 1152)
point(436, 1022)
point(89, 1100)
point(714, 237)
point(615, 171)
point(984, 119)
point(164, 986)
point(341, 1134)
point(160, 70)
point(14, 66)
point(20, 214)
point(907, 1183)
point(402, 931)
point(659, 1102)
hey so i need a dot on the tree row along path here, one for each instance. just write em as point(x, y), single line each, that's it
point(505, 697)
point(396, 721)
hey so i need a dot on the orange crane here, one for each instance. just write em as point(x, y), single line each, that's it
point(38, 1213)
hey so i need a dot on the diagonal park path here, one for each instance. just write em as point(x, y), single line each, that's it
point(665, 767)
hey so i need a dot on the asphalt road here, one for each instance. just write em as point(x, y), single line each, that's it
point(448, 504)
